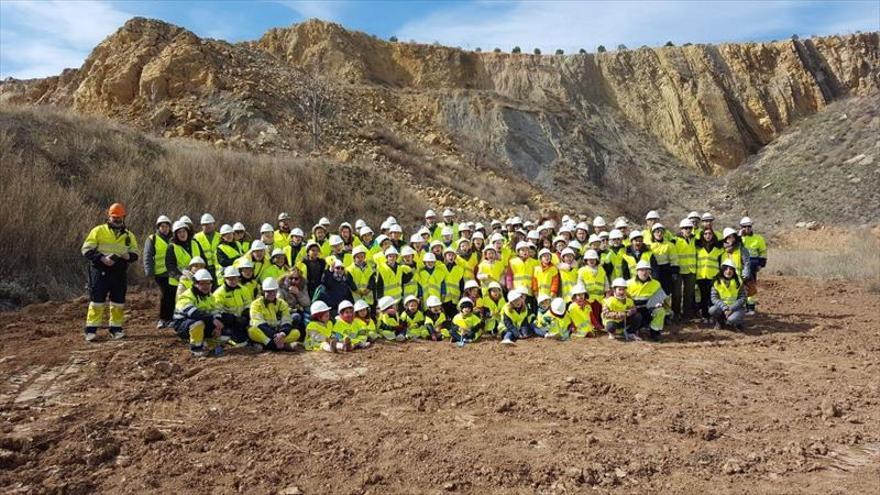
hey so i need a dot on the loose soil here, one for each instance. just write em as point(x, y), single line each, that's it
point(790, 406)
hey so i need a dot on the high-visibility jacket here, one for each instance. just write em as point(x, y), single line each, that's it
point(615, 305)
point(388, 325)
point(345, 257)
point(182, 257)
point(466, 324)
point(366, 327)
point(545, 281)
point(160, 248)
point(613, 259)
point(632, 259)
point(343, 330)
point(665, 252)
point(282, 238)
point(453, 282)
point(208, 246)
point(411, 286)
point(648, 236)
point(523, 271)
point(108, 241)
point(244, 245)
point(567, 280)
point(491, 312)
point(728, 290)
point(555, 325)
point(231, 300)
point(756, 245)
point(274, 271)
point(415, 324)
point(362, 276)
point(437, 323)
point(432, 281)
point(392, 279)
point(259, 266)
point(295, 254)
point(708, 262)
point(469, 264)
point(226, 254)
point(642, 291)
point(594, 280)
point(274, 314)
point(581, 318)
point(323, 245)
point(194, 305)
point(516, 317)
point(736, 257)
point(250, 289)
point(316, 333)
point(488, 272)
point(686, 251)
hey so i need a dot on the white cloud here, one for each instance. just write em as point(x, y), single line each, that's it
point(327, 10)
point(572, 25)
point(41, 38)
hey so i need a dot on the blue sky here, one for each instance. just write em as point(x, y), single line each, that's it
point(41, 37)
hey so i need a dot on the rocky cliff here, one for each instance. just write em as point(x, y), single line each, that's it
point(571, 124)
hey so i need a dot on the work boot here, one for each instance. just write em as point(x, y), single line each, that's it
point(117, 333)
point(161, 324)
point(197, 350)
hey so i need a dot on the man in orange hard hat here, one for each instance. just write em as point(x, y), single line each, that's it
point(110, 248)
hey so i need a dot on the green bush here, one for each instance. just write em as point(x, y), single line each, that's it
point(393, 39)
point(516, 49)
point(559, 51)
point(601, 49)
point(537, 51)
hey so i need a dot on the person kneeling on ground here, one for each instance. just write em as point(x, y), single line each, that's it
point(556, 323)
point(271, 326)
point(345, 330)
point(435, 321)
point(515, 318)
point(622, 319)
point(389, 325)
point(319, 331)
point(232, 303)
point(728, 298)
point(363, 323)
point(414, 319)
point(648, 296)
point(195, 311)
point(465, 325)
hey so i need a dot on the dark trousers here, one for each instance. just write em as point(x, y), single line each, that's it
point(683, 295)
point(167, 295)
point(664, 276)
point(705, 296)
point(235, 327)
point(633, 324)
point(102, 284)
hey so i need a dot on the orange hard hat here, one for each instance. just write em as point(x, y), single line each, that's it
point(116, 210)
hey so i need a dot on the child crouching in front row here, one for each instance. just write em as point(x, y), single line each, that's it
point(622, 319)
point(466, 326)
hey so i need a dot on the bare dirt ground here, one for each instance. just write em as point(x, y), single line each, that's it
point(791, 406)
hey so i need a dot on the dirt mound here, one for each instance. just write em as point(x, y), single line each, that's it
point(790, 406)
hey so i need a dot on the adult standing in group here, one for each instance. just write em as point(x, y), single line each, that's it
point(155, 248)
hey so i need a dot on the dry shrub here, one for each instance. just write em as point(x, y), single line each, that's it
point(59, 172)
point(856, 260)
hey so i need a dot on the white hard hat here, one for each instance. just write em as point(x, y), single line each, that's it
point(634, 234)
point(365, 231)
point(566, 218)
point(599, 222)
point(591, 254)
point(430, 214)
point(382, 238)
point(226, 229)
point(643, 265)
point(386, 302)
point(391, 250)
point(317, 307)
point(448, 213)
point(707, 216)
point(163, 219)
point(603, 235)
point(557, 306)
point(324, 222)
point(615, 234)
point(693, 214)
point(238, 227)
point(657, 226)
point(533, 235)
point(478, 226)
point(231, 271)
point(359, 224)
point(284, 216)
point(207, 218)
point(465, 300)
point(395, 228)
point(567, 251)
point(415, 238)
point(318, 226)
point(359, 250)
point(407, 251)
point(344, 225)
point(258, 245)
point(745, 222)
point(686, 223)
point(277, 252)
point(620, 223)
point(559, 238)
point(197, 260)
point(479, 235)
point(409, 299)
point(489, 247)
point(178, 225)
point(494, 285)
point(429, 258)
point(297, 232)
point(185, 219)
point(595, 238)
point(446, 231)
point(434, 301)
point(727, 232)
point(582, 226)
point(513, 295)
point(360, 305)
point(729, 263)
point(652, 215)
point(335, 240)
point(618, 282)
point(245, 263)
point(565, 228)
point(578, 289)
point(496, 237)
point(471, 284)
point(522, 245)
point(574, 244)
point(543, 252)
point(391, 220)
point(344, 305)
point(542, 298)
point(337, 263)
point(266, 227)
point(202, 275)
point(464, 227)
point(516, 221)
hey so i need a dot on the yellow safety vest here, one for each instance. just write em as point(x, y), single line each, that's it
point(756, 245)
point(431, 282)
point(594, 281)
point(493, 271)
point(208, 246)
point(581, 317)
point(708, 262)
point(317, 333)
point(392, 279)
point(616, 259)
point(665, 252)
point(616, 305)
point(453, 283)
point(642, 291)
point(687, 255)
point(275, 313)
point(522, 272)
point(736, 257)
point(567, 280)
point(231, 300)
point(545, 276)
point(361, 278)
point(183, 257)
point(728, 290)
point(160, 247)
point(518, 317)
point(105, 240)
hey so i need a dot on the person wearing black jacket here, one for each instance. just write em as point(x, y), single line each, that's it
point(155, 248)
point(336, 286)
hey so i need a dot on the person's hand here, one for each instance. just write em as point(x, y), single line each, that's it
point(279, 340)
point(218, 328)
point(107, 260)
point(658, 305)
point(125, 256)
point(727, 312)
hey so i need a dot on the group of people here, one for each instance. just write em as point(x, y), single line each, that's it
point(343, 288)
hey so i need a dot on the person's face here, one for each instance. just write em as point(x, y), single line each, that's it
point(238, 235)
point(523, 253)
point(708, 234)
point(360, 258)
point(426, 237)
point(435, 309)
point(464, 247)
point(568, 258)
point(337, 248)
point(320, 233)
point(578, 298)
point(295, 240)
point(268, 238)
point(498, 245)
point(391, 258)
point(395, 236)
point(438, 251)
point(412, 306)
point(449, 257)
point(580, 235)
point(339, 271)
point(208, 228)
point(466, 234)
point(284, 225)
point(747, 229)
point(658, 234)
point(259, 254)
point(620, 292)
point(472, 292)
point(495, 294)
point(518, 302)
point(637, 243)
point(417, 246)
point(545, 304)
point(650, 221)
point(227, 237)
point(643, 274)
point(164, 228)
point(231, 281)
point(363, 314)
point(490, 255)
point(615, 242)
point(447, 238)
point(466, 310)
point(347, 314)
point(313, 252)
point(247, 273)
point(592, 262)
point(707, 224)
point(730, 240)
point(115, 220)
point(729, 272)
point(391, 311)
point(204, 286)
point(430, 221)
point(182, 235)
point(560, 246)
point(546, 259)
point(278, 260)
point(322, 317)
point(429, 265)
point(345, 232)
point(367, 238)
point(687, 231)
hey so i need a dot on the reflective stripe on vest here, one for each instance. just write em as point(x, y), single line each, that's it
point(160, 247)
point(728, 293)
